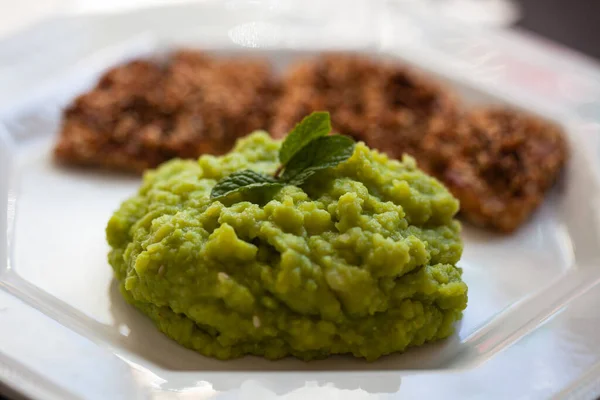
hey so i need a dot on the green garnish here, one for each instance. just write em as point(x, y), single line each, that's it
point(306, 150)
point(310, 128)
point(318, 154)
point(242, 181)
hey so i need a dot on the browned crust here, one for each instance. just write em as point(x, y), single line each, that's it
point(141, 114)
point(499, 163)
point(390, 107)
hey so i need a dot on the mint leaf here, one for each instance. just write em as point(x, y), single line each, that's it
point(305, 151)
point(320, 153)
point(311, 127)
point(242, 181)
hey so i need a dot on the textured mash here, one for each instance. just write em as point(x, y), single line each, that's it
point(362, 260)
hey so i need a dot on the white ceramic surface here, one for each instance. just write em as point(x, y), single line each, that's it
point(530, 330)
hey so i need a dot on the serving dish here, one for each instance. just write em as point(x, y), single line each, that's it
point(530, 327)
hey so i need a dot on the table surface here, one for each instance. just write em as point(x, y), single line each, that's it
point(571, 23)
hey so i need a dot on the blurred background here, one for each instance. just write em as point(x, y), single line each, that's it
point(556, 25)
point(571, 23)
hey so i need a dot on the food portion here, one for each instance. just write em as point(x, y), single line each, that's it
point(142, 113)
point(388, 106)
point(356, 258)
point(499, 163)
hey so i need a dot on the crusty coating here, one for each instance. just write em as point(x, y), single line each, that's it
point(142, 113)
point(388, 106)
point(499, 163)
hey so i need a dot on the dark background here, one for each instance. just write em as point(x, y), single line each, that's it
point(573, 23)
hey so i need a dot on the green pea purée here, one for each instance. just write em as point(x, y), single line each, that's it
point(360, 260)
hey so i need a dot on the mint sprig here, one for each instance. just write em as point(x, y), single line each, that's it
point(306, 150)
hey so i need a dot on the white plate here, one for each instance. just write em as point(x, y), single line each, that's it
point(531, 325)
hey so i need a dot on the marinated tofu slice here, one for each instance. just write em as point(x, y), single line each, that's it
point(142, 113)
point(388, 106)
point(499, 163)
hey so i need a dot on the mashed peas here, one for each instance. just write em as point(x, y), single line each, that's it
point(361, 260)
